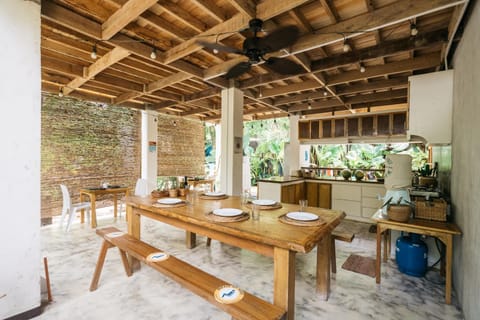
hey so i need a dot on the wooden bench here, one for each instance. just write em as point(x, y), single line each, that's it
point(340, 236)
point(194, 279)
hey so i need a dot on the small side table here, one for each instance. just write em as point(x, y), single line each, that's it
point(444, 231)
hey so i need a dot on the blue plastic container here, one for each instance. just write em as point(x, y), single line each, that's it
point(411, 255)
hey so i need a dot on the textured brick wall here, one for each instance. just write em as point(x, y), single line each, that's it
point(181, 147)
point(83, 144)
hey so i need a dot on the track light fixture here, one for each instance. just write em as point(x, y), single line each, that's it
point(93, 54)
point(153, 55)
point(362, 68)
point(346, 46)
point(413, 29)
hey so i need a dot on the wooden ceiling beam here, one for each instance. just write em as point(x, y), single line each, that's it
point(423, 62)
point(294, 87)
point(330, 11)
point(101, 64)
point(123, 16)
point(386, 95)
point(268, 9)
point(61, 67)
point(182, 15)
point(245, 7)
point(372, 86)
point(394, 13)
point(202, 94)
point(211, 8)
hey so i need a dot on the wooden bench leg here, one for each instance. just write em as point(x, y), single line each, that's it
point(209, 242)
point(333, 256)
point(98, 269)
point(126, 264)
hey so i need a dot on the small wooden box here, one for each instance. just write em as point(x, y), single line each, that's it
point(431, 210)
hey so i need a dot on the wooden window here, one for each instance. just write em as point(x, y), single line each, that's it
point(327, 129)
point(315, 129)
point(304, 129)
point(339, 127)
point(399, 121)
point(383, 125)
point(353, 127)
point(367, 126)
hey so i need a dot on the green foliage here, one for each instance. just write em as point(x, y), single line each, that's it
point(263, 143)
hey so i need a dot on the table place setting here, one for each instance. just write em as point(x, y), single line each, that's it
point(228, 294)
point(213, 195)
point(301, 217)
point(265, 204)
point(169, 203)
point(227, 215)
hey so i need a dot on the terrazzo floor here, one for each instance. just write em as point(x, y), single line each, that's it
point(150, 295)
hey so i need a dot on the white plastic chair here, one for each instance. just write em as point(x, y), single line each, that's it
point(72, 208)
point(141, 188)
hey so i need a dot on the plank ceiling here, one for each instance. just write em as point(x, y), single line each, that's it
point(185, 79)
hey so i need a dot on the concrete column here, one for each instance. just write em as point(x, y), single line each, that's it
point(231, 157)
point(149, 148)
point(20, 161)
point(292, 149)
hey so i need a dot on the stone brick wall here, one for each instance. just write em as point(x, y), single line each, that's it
point(84, 144)
point(181, 147)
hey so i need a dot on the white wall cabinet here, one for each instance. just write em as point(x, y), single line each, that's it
point(430, 102)
point(359, 201)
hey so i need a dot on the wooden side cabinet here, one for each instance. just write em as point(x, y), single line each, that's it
point(292, 193)
point(319, 194)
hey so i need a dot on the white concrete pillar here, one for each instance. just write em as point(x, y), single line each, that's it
point(292, 149)
point(149, 148)
point(20, 161)
point(231, 157)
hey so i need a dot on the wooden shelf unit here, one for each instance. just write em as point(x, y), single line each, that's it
point(378, 125)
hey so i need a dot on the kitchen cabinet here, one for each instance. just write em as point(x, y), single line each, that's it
point(319, 194)
point(370, 201)
point(292, 193)
point(347, 197)
point(430, 99)
point(376, 125)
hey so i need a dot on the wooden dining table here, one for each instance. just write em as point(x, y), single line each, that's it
point(94, 192)
point(267, 236)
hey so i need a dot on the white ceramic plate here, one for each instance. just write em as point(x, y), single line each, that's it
point(264, 202)
point(302, 216)
point(169, 201)
point(228, 294)
point(227, 212)
point(214, 194)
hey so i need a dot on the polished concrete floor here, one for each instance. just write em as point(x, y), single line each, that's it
point(149, 295)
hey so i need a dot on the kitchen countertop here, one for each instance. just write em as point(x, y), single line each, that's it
point(325, 178)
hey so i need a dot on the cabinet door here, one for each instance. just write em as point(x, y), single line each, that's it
point(292, 193)
point(324, 196)
point(351, 208)
point(312, 194)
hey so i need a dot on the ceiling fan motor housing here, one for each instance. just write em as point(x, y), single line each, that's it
point(251, 50)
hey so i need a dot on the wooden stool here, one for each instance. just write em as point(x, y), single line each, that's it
point(340, 236)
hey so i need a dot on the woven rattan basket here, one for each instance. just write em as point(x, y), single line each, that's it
point(431, 210)
point(399, 212)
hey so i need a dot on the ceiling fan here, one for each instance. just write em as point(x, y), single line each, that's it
point(255, 48)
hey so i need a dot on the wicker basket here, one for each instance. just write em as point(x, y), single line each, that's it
point(431, 210)
point(399, 212)
point(159, 194)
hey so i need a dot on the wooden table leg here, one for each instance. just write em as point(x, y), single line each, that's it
point(190, 239)
point(448, 269)
point(284, 280)
point(114, 205)
point(379, 253)
point(133, 230)
point(82, 211)
point(93, 200)
point(385, 246)
point(323, 267)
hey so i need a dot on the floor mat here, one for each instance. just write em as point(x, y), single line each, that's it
point(359, 264)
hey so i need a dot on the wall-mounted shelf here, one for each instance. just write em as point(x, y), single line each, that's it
point(378, 125)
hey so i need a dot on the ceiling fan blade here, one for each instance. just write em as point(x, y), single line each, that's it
point(283, 66)
point(280, 38)
point(238, 69)
point(218, 46)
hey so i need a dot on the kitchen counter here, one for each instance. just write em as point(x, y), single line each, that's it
point(289, 179)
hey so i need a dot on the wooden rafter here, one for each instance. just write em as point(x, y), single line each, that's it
point(127, 13)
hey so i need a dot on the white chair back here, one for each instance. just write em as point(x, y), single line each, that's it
point(67, 201)
point(141, 188)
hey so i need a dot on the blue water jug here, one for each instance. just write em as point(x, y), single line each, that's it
point(411, 255)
